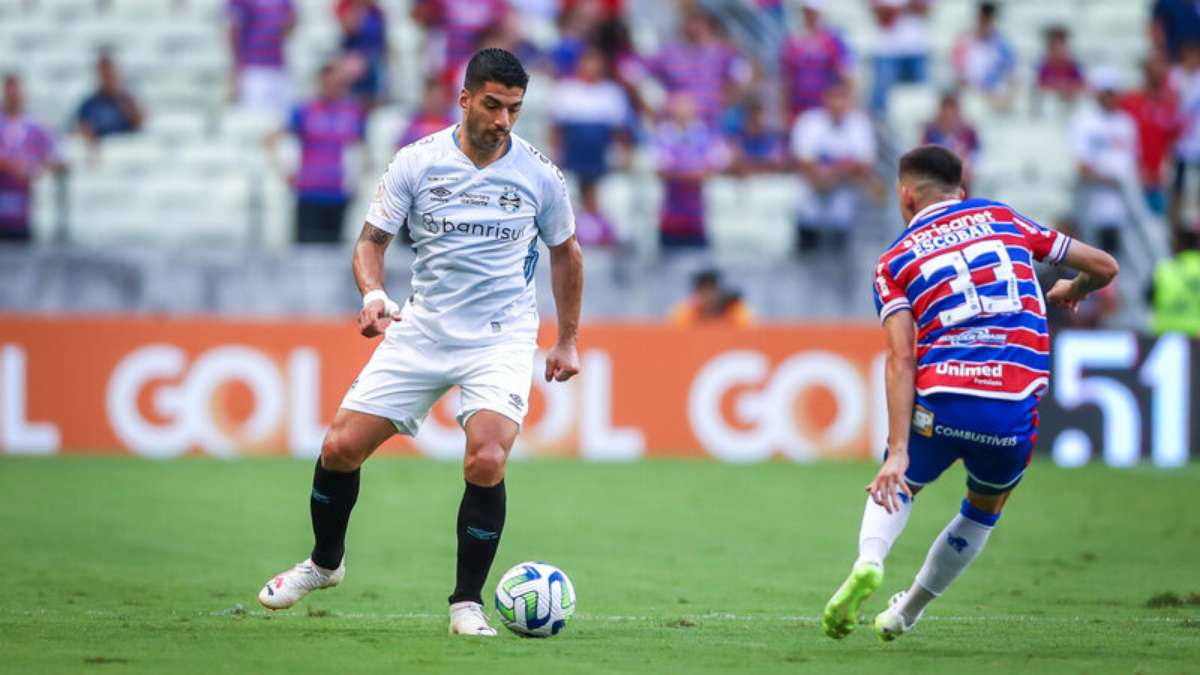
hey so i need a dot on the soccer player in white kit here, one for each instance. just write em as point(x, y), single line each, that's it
point(476, 198)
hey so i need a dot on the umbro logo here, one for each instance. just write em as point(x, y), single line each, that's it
point(517, 401)
point(440, 191)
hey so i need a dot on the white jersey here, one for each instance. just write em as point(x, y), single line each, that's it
point(475, 232)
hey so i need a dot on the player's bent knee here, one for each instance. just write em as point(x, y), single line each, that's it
point(338, 454)
point(989, 503)
point(484, 464)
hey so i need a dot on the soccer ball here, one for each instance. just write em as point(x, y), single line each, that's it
point(535, 599)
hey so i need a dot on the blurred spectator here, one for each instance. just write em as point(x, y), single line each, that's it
point(431, 117)
point(111, 109)
point(703, 65)
point(811, 60)
point(364, 37)
point(591, 115)
point(774, 9)
point(711, 304)
point(901, 54)
point(984, 59)
point(625, 64)
point(1185, 78)
point(1059, 72)
point(26, 149)
point(1174, 23)
point(1104, 142)
point(507, 33)
point(1155, 110)
point(950, 130)
point(757, 147)
point(577, 25)
point(454, 28)
point(326, 127)
point(687, 153)
point(257, 31)
point(835, 145)
point(1174, 294)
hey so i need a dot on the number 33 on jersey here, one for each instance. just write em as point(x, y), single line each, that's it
point(965, 270)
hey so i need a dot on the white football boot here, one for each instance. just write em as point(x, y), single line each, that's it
point(890, 624)
point(467, 618)
point(286, 588)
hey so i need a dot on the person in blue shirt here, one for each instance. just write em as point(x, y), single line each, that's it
point(111, 109)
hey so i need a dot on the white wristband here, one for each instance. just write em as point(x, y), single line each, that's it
point(389, 305)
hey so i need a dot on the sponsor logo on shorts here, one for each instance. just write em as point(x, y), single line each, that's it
point(976, 437)
point(922, 421)
point(516, 401)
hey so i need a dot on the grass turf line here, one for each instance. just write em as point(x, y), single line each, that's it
point(132, 566)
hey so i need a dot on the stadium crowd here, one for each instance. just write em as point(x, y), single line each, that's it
point(704, 103)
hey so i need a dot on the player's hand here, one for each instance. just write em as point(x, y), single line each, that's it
point(890, 481)
point(374, 319)
point(562, 363)
point(1064, 293)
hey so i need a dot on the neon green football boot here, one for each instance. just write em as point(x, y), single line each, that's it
point(841, 612)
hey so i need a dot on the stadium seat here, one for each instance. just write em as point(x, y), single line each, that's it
point(909, 109)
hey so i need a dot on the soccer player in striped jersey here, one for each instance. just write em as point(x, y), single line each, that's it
point(967, 360)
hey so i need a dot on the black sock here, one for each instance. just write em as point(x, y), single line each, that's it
point(333, 497)
point(480, 522)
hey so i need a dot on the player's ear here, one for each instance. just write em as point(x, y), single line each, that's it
point(464, 98)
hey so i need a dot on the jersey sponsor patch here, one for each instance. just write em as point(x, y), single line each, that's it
point(510, 200)
point(922, 421)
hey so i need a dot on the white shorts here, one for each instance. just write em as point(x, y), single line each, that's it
point(408, 373)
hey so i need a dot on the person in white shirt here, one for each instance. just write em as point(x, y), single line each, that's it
point(1105, 147)
point(835, 148)
point(475, 198)
point(901, 47)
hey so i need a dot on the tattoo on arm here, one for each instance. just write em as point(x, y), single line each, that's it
point(374, 235)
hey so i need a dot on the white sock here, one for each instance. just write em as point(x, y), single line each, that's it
point(949, 555)
point(880, 529)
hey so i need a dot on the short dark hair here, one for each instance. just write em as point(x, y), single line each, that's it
point(933, 163)
point(495, 65)
point(988, 10)
point(706, 277)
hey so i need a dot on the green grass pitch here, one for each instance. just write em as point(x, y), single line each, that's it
point(131, 566)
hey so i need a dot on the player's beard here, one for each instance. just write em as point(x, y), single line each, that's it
point(483, 137)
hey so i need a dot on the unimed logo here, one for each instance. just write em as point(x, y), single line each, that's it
point(966, 370)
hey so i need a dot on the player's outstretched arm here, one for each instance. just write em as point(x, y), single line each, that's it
point(566, 278)
point(378, 309)
point(1096, 268)
point(901, 382)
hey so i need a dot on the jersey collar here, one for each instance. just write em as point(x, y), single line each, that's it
point(501, 158)
point(928, 211)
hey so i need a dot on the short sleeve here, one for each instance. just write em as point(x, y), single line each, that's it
point(889, 296)
point(555, 218)
point(1049, 246)
point(393, 197)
